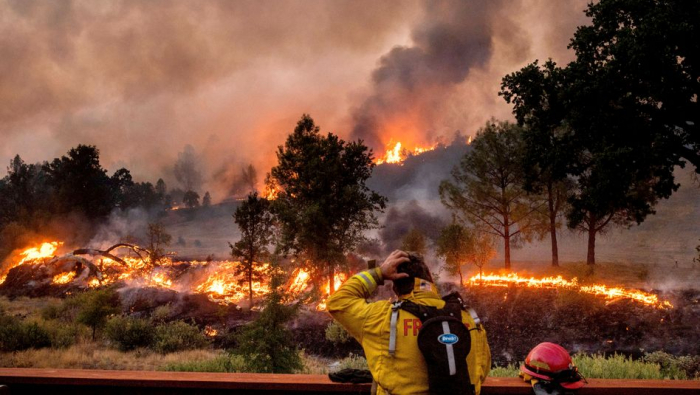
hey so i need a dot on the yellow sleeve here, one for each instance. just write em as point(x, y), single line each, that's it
point(348, 305)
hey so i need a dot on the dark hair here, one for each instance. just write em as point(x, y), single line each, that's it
point(416, 267)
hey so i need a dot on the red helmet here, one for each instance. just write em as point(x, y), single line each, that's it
point(551, 362)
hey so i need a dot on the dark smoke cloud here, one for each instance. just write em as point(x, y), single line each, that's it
point(451, 66)
point(401, 219)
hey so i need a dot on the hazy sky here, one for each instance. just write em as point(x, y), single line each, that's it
point(141, 79)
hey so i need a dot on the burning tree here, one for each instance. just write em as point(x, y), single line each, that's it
point(255, 222)
point(487, 189)
point(323, 205)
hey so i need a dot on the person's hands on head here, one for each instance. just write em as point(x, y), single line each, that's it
point(391, 264)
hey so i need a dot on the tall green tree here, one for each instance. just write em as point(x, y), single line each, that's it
point(632, 110)
point(323, 204)
point(255, 222)
point(79, 183)
point(539, 107)
point(642, 58)
point(486, 189)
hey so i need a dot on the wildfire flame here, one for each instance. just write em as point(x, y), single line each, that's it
point(226, 287)
point(40, 252)
point(609, 293)
point(63, 278)
point(397, 153)
point(209, 331)
point(45, 250)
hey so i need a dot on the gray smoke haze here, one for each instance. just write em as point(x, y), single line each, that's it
point(142, 79)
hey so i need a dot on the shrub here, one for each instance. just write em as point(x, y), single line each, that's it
point(266, 344)
point(128, 333)
point(336, 333)
point(176, 336)
point(51, 312)
point(675, 367)
point(62, 334)
point(616, 367)
point(222, 364)
point(16, 335)
point(353, 362)
point(94, 307)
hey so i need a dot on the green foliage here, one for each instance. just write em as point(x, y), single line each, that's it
point(617, 367)
point(336, 333)
point(222, 364)
point(487, 186)
point(353, 362)
point(675, 367)
point(510, 370)
point(79, 183)
point(129, 333)
point(266, 344)
point(16, 335)
point(62, 334)
point(323, 205)
point(177, 336)
point(656, 366)
point(255, 221)
point(536, 94)
point(52, 311)
point(94, 307)
point(640, 60)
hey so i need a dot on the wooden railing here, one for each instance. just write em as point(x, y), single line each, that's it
point(108, 382)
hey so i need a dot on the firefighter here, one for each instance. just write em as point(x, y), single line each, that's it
point(393, 355)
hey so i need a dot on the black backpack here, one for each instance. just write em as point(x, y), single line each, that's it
point(445, 343)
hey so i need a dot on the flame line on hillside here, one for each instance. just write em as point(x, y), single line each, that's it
point(558, 282)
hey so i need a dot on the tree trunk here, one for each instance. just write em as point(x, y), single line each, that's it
point(461, 280)
point(506, 247)
point(331, 278)
point(591, 241)
point(250, 287)
point(553, 227)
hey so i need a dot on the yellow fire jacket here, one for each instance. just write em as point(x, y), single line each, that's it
point(370, 323)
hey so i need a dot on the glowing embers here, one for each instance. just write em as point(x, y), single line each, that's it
point(397, 153)
point(609, 293)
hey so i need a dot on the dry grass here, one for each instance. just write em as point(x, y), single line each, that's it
point(93, 356)
point(26, 307)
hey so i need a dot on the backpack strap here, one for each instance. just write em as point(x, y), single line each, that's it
point(477, 320)
point(395, 307)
